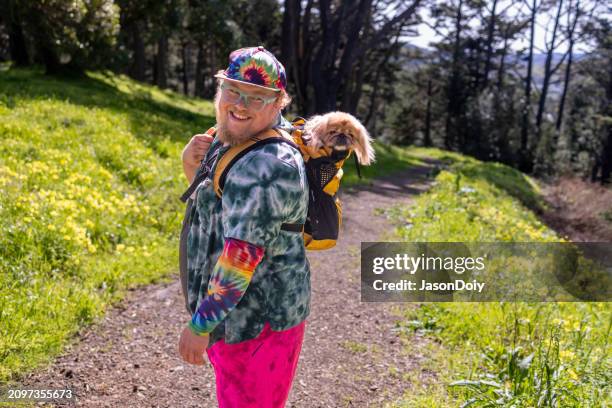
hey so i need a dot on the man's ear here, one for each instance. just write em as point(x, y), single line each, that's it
point(283, 99)
point(278, 103)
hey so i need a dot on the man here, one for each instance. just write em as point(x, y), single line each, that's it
point(249, 280)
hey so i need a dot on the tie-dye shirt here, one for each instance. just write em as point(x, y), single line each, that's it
point(264, 189)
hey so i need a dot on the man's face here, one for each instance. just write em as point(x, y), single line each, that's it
point(237, 122)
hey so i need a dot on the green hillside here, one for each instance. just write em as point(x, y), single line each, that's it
point(90, 177)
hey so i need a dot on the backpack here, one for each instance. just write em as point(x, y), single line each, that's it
point(323, 170)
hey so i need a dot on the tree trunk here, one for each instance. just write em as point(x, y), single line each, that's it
point(526, 163)
point(17, 44)
point(490, 32)
point(291, 18)
point(427, 142)
point(568, 67)
point(374, 96)
point(547, 75)
point(161, 62)
point(452, 93)
point(305, 50)
point(50, 60)
point(185, 67)
point(595, 170)
point(199, 73)
point(379, 72)
point(502, 62)
point(354, 88)
point(566, 82)
point(606, 158)
point(138, 67)
point(213, 69)
point(606, 151)
point(353, 94)
point(323, 60)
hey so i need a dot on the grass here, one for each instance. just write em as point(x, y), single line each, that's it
point(354, 347)
point(89, 180)
point(499, 354)
point(389, 159)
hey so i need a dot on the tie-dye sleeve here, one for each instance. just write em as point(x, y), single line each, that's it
point(228, 282)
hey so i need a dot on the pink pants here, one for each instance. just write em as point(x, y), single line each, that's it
point(257, 373)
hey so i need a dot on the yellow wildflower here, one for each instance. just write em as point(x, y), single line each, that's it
point(567, 354)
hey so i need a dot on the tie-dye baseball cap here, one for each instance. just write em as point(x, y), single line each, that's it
point(256, 66)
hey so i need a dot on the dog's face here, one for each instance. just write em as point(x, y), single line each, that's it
point(340, 131)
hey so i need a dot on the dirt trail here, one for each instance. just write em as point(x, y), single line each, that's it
point(578, 209)
point(351, 355)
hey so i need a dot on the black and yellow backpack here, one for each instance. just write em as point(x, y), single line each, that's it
point(324, 172)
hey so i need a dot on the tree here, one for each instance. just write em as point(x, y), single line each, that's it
point(71, 36)
point(323, 43)
point(576, 12)
point(526, 159)
point(456, 90)
point(417, 115)
point(549, 70)
point(597, 67)
point(165, 22)
point(211, 28)
point(135, 17)
point(463, 53)
point(12, 17)
point(547, 145)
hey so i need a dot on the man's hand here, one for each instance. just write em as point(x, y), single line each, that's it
point(192, 347)
point(194, 152)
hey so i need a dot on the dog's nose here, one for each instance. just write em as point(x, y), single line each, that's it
point(342, 139)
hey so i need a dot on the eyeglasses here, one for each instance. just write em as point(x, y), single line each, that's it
point(233, 95)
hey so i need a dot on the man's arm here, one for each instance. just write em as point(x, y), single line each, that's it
point(228, 282)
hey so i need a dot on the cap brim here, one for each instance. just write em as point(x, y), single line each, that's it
point(223, 76)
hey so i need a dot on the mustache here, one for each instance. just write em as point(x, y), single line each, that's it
point(232, 138)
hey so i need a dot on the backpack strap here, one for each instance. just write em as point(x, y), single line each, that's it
point(235, 153)
point(204, 169)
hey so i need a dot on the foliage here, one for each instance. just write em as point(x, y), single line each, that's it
point(70, 34)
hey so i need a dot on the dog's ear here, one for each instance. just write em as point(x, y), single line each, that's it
point(315, 130)
point(363, 145)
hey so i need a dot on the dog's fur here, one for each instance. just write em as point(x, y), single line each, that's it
point(340, 131)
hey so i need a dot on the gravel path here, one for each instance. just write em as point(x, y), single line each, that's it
point(351, 355)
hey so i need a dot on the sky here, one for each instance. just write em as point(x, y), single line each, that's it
point(427, 35)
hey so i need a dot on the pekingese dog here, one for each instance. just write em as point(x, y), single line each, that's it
point(340, 131)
